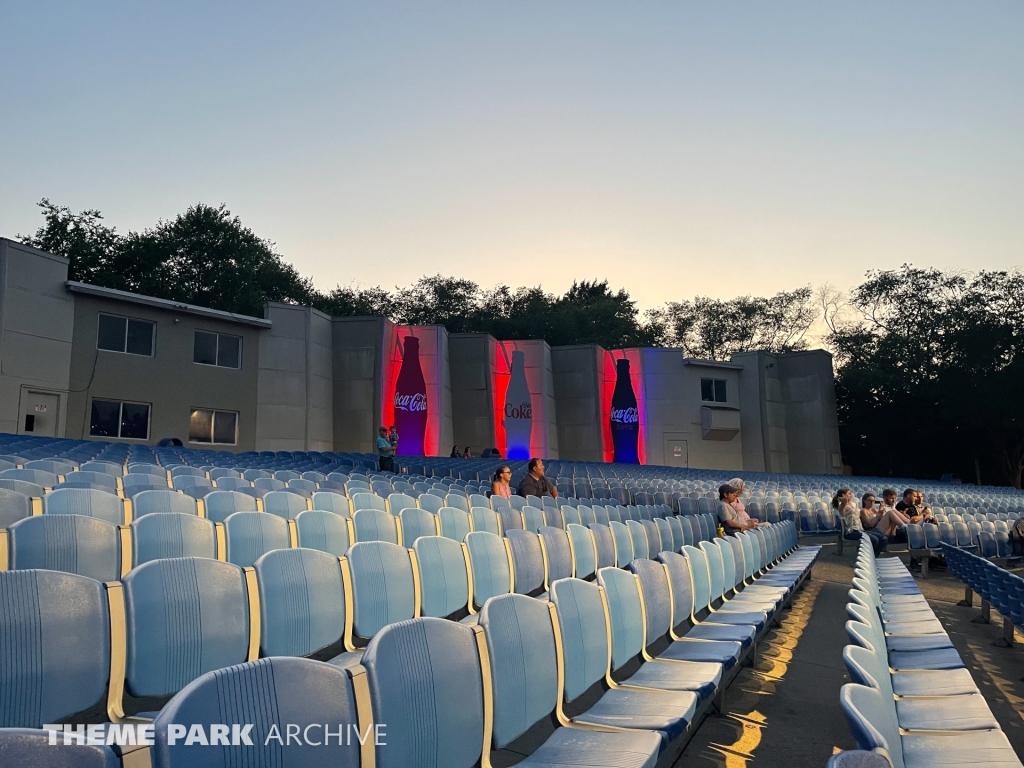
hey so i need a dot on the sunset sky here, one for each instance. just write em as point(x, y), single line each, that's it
point(673, 148)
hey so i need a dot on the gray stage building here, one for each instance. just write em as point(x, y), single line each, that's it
point(83, 361)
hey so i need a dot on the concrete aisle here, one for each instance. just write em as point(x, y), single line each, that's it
point(784, 712)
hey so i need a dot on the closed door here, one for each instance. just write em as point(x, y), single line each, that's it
point(676, 453)
point(39, 413)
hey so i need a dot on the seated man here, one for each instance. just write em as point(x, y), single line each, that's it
point(727, 514)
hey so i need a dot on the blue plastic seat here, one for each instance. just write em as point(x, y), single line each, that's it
point(162, 500)
point(485, 519)
point(332, 502)
point(444, 580)
point(375, 525)
point(252, 534)
point(90, 503)
point(383, 588)
point(623, 543)
point(533, 518)
point(302, 602)
point(583, 550)
point(219, 505)
point(415, 523)
point(430, 502)
point(31, 747)
point(584, 631)
point(185, 617)
point(527, 561)
point(638, 536)
point(55, 628)
point(270, 694)
point(454, 523)
point(605, 545)
point(283, 504)
point(571, 515)
point(399, 501)
point(87, 546)
point(490, 564)
point(516, 628)
point(557, 555)
point(14, 506)
point(324, 531)
point(36, 476)
point(161, 535)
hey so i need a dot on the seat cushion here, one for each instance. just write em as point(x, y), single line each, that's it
point(945, 713)
point(574, 747)
point(739, 616)
point(348, 659)
point(740, 633)
point(667, 712)
point(982, 748)
point(917, 642)
point(947, 682)
point(702, 678)
point(721, 652)
point(944, 658)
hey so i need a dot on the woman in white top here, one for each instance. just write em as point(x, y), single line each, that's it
point(853, 525)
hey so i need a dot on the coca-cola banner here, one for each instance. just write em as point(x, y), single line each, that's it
point(416, 388)
point(524, 421)
point(622, 400)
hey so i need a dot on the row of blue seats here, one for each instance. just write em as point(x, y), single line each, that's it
point(625, 665)
point(912, 698)
point(927, 540)
point(94, 547)
point(994, 585)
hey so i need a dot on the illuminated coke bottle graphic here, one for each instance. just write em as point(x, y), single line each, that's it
point(411, 401)
point(518, 411)
point(625, 417)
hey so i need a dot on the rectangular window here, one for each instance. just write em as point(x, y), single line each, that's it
point(217, 349)
point(216, 427)
point(713, 390)
point(113, 418)
point(126, 335)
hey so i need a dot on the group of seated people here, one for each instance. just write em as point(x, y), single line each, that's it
point(882, 521)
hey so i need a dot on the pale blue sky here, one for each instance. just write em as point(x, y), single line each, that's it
point(716, 148)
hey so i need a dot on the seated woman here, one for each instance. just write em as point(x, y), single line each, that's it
point(500, 483)
point(737, 504)
point(853, 528)
point(885, 520)
point(727, 515)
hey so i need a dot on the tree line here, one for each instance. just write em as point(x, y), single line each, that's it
point(928, 363)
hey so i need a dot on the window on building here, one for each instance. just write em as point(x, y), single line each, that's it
point(218, 349)
point(209, 426)
point(125, 334)
point(114, 418)
point(713, 390)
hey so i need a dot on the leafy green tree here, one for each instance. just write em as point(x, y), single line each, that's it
point(713, 329)
point(91, 246)
point(930, 374)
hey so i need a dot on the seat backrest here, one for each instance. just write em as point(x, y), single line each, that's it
point(444, 728)
point(715, 568)
point(251, 534)
point(518, 628)
point(533, 518)
point(510, 519)
point(656, 595)
point(183, 482)
point(375, 525)
point(490, 564)
point(415, 523)
point(383, 587)
point(700, 577)
point(638, 536)
point(302, 602)
point(158, 500)
point(266, 693)
point(557, 555)
point(654, 543)
point(868, 717)
point(458, 501)
point(623, 543)
point(324, 531)
point(14, 506)
point(479, 500)
point(454, 523)
point(444, 580)
point(583, 550)
point(668, 537)
point(605, 545)
point(185, 616)
point(329, 501)
point(363, 500)
point(86, 546)
point(496, 503)
point(527, 561)
point(55, 628)
point(624, 612)
point(161, 535)
point(86, 502)
point(399, 501)
point(92, 478)
point(106, 467)
point(299, 484)
point(583, 633)
point(601, 515)
point(284, 505)
point(220, 504)
point(37, 476)
point(485, 519)
point(587, 515)
point(571, 515)
point(677, 568)
point(430, 502)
